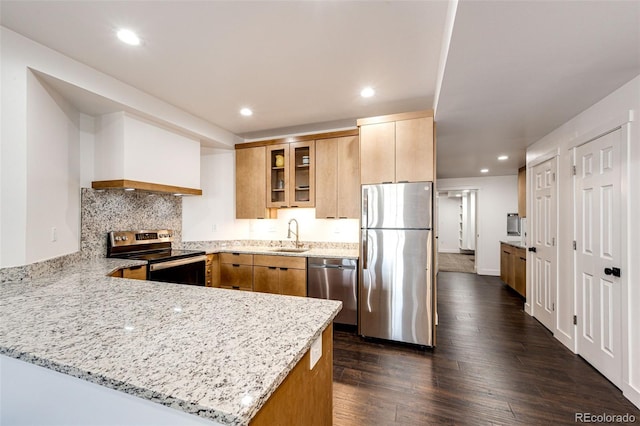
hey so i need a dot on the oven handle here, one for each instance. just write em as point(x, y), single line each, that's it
point(174, 263)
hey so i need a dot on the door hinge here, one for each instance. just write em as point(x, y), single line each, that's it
point(573, 170)
point(575, 320)
point(553, 307)
point(553, 177)
point(553, 241)
point(575, 245)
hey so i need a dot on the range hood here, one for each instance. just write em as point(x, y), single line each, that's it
point(133, 153)
point(125, 184)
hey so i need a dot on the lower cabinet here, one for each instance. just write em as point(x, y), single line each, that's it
point(280, 275)
point(133, 273)
point(213, 270)
point(513, 267)
point(236, 271)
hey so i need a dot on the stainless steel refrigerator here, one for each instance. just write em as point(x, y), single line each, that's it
point(396, 296)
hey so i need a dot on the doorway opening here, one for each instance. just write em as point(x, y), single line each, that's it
point(457, 224)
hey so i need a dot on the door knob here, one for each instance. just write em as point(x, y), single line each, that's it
point(612, 271)
point(533, 249)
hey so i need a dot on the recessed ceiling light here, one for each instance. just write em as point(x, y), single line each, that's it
point(129, 37)
point(503, 157)
point(246, 112)
point(484, 170)
point(367, 92)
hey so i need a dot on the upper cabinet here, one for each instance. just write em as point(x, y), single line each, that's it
point(291, 175)
point(397, 148)
point(337, 178)
point(251, 166)
point(522, 192)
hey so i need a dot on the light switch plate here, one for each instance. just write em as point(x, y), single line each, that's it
point(315, 352)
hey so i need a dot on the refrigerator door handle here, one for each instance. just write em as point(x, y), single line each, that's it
point(365, 207)
point(365, 248)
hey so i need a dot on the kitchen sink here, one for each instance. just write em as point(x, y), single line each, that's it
point(290, 250)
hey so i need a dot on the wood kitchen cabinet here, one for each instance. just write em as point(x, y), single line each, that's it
point(251, 202)
point(133, 273)
point(212, 270)
point(513, 267)
point(236, 271)
point(280, 275)
point(337, 178)
point(522, 192)
point(291, 175)
point(397, 148)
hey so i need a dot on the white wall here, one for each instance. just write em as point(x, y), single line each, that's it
point(449, 224)
point(610, 112)
point(18, 55)
point(53, 174)
point(212, 216)
point(497, 196)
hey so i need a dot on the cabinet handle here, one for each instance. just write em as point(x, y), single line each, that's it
point(271, 267)
point(402, 181)
point(293, 206)
point(387, 182)
point(235, 287)
point(236, 254)
point(235, 265)
point(135, 267)
point(330, 217)
point(505, 252)
point(522, 258)
point(259, 217)
point(284, 269)
point(343, 217)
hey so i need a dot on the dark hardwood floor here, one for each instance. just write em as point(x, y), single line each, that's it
point(493, 364)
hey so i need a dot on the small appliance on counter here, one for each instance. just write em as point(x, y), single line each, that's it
point(165, 264)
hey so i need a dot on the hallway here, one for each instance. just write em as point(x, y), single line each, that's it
point(493, 364)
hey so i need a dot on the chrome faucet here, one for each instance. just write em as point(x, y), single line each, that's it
point(294, 233)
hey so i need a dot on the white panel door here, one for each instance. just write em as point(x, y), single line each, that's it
point(544, 264)
point(598, 212)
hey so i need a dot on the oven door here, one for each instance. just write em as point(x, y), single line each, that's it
point(189, 270)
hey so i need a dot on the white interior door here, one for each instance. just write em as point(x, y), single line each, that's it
point(544, 264)
point(598, 244)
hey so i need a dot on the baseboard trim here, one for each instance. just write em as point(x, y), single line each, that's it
point(492, 272)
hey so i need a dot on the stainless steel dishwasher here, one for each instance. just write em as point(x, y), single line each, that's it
point(335, 279)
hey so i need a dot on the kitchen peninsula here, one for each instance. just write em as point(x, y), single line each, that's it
point(225, 356)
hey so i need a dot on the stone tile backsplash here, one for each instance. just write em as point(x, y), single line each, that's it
point(116, 210)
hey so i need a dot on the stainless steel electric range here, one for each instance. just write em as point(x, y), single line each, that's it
point(165, 264)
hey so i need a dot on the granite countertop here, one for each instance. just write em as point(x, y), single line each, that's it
point(516, 244)
point(312, 252)
point(212, 352)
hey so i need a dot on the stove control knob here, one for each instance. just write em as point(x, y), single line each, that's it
point(123, 238)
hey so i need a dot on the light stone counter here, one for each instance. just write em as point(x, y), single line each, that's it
point(215, 353)
point(313, 249)
point(313, 252)
point(516, 244)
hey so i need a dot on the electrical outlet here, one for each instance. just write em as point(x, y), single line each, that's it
point(315, 352)
point(54, 234)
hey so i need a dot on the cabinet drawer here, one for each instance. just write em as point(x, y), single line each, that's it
point(237, 258)
point(135, 272)
point(236, 275)
point(280, 261)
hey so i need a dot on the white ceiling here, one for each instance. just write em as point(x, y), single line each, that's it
point(515, 70)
